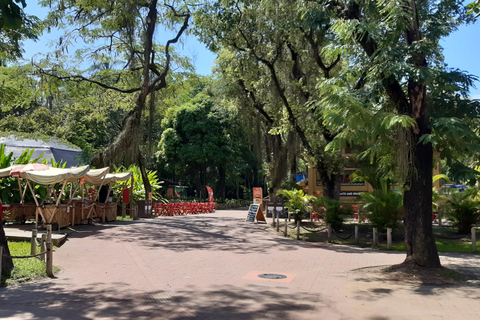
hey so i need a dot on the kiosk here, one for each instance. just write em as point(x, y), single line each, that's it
point(105, 208)
point(50, 209)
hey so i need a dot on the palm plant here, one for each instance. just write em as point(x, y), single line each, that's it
point(462, 208)
point(298, 203)
point(384, 206)
point(334, 211)
point(9, 190)
point(138, 186)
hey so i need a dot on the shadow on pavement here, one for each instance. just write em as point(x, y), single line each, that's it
point(104, 300)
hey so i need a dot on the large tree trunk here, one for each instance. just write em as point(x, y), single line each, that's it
point(419, 240)
point(143, 170)
point(417, 201)
point(331, 183)
point(7, 262)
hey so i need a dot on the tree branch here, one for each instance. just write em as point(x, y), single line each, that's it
point(80, 78)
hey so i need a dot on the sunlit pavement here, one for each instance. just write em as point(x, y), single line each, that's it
point(207, 266)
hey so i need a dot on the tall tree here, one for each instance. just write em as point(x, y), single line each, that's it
point(274, 67)
point(394, 50)
point(123, 34)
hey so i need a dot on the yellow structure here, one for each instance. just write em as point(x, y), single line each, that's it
point(350, 190)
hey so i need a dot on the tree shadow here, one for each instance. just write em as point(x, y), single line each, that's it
point(46, 301)
point(186, 233)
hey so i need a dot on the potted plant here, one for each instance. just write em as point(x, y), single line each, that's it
point(297, 202)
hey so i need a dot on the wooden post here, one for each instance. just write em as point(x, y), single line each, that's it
point(375, 238)
point(357, 236)
point(329, 229)
point(286, 227)
point(49, 252)
point(135, 213)
point(274, 213)
point(43, 247)
point(389, 238)
point(278, 221)
point(130, 196)
point(73, 214)
point(33, 243)
point(1, 259)
point(124, 210)
point(49, 232)
point(298, 230)
point(474, 239)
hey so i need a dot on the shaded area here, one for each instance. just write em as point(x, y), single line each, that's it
point(45, 301)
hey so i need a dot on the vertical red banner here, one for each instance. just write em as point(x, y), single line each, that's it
point(126, 195)
point(210, 194)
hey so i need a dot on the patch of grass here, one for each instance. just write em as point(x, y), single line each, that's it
point(127, 218)
point(24, 269)
point(460, 246)
point(316, 232)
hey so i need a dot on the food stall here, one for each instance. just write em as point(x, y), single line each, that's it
point(5, 208)
point(84, 209)
point(50, 209)
point(105, 208)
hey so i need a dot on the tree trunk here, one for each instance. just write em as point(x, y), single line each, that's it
point(7, 262)
point(221, 182)
point(331, 183)
point(419, 240)
point(417, 201)
point(146, 182)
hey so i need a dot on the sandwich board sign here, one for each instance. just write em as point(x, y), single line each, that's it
point(255, 212)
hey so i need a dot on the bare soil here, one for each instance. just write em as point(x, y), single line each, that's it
point(408, 274)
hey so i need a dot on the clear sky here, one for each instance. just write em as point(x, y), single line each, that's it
point(461, 48)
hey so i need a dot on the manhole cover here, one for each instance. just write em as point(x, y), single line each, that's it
point(271, 276)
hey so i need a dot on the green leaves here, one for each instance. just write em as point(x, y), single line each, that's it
point(298, 202)
point(383, 206)
point(474, 8)
point(5, 160)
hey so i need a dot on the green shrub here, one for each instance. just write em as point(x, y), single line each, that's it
point(384, 207)
point(138, 186)
point(297, 202)
point(334, 212)
point(462, 209)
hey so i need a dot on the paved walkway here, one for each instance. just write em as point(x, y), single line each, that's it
point(206, 267)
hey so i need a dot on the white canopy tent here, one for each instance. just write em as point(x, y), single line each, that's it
point(53, 213)
point(109, 179)
point(5, 172)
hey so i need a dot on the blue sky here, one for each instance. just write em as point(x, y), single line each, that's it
point(461, 48)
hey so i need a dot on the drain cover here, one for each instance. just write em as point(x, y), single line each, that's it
point(275, 276)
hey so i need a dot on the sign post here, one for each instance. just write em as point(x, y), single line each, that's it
point(255, 212)
point(257, 195)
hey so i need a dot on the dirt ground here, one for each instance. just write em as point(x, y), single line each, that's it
point(409, 274)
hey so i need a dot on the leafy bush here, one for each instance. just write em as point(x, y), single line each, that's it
point(138, 192)
point(297, 202)
point(334, 212)
point(384, 207)
point(9, 191)
point(462, 208)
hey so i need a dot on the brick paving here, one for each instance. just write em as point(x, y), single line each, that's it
point(204, 266)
